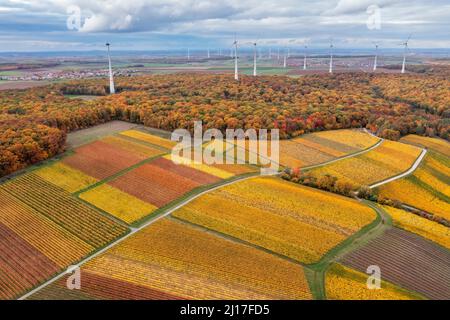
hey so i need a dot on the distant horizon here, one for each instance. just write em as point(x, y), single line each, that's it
point(247, 49)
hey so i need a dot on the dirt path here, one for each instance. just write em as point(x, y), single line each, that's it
point(133, 231)
point(351, 155)
point(404, 174)
point(363, 236)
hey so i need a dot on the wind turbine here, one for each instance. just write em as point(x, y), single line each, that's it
point(331, 56)
point(236, 74)
point(278, 54)
point(188, 54)
point(304, 58)
point(209, 56)
point(404, 54)
point(376, 58)
point(254, 58)
point(111, 79)
point(285, 59)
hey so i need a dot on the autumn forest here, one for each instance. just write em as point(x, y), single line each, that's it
point(34, 122)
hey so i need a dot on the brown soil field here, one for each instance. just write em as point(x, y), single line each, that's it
point(407, 260)
point(12, 85)
point(80, 137)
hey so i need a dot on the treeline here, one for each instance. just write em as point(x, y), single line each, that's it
point(293, 105)
point(333, 184)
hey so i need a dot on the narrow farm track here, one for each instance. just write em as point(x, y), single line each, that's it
point(404, 174)
point(316, 272)
point(372, 231)
point(134, 230)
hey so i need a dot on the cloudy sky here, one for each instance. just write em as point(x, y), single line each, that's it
point(55, 25)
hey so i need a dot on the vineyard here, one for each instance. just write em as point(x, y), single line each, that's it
point(259, 238)
point(159, 185)
point(184, 262)
point(421, 226)
point(149, 138)
point(437, 145)
point(44, 230)
point(320, 147)
point(101, 160)
point(142, 188)
point(343, 283)
point(387, 160)
point(117, 203)
point(403, 257)
point(65, 177)
point(294, 221)
point(429, 184)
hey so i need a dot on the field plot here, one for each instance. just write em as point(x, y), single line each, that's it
point(406, 260)
point(77, 138)
point(161, 181)
point(43, 230)
point(117, 203)
point(343, 283)
point(419, 225)
point(170, 260)
point(149, 138)
point(104, 158)
point(63, 209)
point(146, 188)
point(389, 159)
point(435, 144)
point(320, 147)
point(65, 177)
point(291, 220)
point(428, 188)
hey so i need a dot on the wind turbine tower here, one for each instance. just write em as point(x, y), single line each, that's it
point(209, 56)
point(304, 58)
point(375, 62)
point(236, 74)
point(188, 54)
point(254, 59)
point(404, 54)
point(285, 59)
point(111, 79)
point(331, 57)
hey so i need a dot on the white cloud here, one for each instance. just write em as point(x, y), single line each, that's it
point(251, 19)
